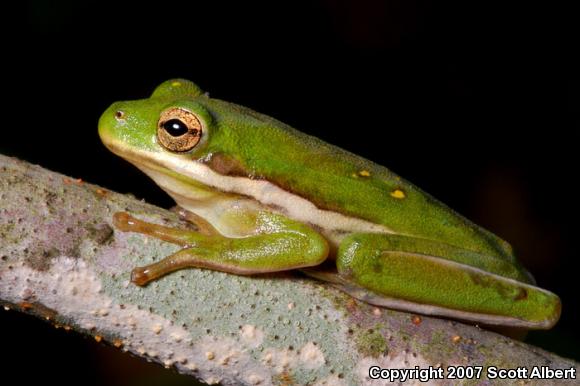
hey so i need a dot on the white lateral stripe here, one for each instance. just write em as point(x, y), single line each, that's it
point(295, 207)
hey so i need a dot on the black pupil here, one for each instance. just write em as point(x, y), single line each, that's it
point(175, 127)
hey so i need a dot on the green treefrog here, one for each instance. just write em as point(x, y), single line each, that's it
point(265, 198)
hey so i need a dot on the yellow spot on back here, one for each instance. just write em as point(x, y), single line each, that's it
point(175, 84)
point(364, 173)
point(398, 193)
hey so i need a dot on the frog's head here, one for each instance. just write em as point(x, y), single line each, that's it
point(164, 134)
point(171, 121)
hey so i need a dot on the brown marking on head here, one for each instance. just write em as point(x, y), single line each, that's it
point(227, 166)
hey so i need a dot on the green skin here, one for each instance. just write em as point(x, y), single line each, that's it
point(430, 259)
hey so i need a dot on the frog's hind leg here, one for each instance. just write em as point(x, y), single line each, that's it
point(276, 244)
point(421, 276)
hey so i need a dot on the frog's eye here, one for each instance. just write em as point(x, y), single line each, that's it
point(178, 130)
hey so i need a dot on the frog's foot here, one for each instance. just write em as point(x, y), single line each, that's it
point(189, 239)
point(282, 245)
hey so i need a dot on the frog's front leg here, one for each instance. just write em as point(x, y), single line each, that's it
point(272, 243)
point(428, 277)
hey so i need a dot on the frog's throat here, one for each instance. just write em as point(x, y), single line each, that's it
point(157, 165)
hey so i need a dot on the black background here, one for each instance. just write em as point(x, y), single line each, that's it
point(475, 103)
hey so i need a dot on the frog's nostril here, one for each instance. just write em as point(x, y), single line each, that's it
point(119, 115)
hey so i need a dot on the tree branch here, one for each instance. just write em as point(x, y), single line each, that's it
point(62, 260)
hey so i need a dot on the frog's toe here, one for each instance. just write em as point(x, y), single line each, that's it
point(140, 276)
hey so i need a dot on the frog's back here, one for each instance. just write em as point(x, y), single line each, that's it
point(337, 180)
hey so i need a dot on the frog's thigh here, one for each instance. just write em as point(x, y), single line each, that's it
point(370, 269)
point(276, 244)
